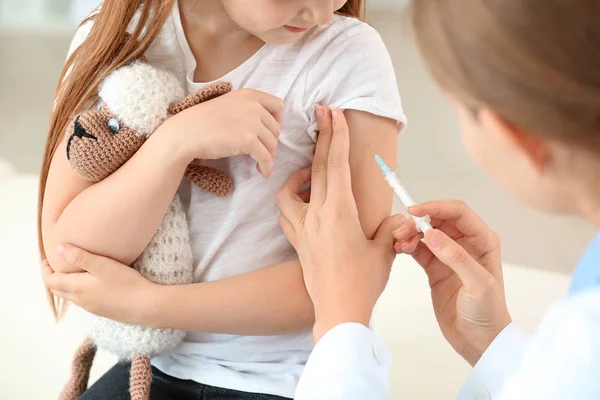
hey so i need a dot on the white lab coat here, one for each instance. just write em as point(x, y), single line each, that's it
point(561, 362)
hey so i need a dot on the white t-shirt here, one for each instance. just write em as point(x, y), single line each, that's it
point(343, 64)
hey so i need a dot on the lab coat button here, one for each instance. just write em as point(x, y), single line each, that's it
point(481, 394)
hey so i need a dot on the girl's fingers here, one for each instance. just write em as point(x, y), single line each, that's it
point(269, 141)
point(319, 166)
point(271, 124)
point(339, 184)
point(58, 281)
point(263, 157)
point(274, 105)
point(450, 253)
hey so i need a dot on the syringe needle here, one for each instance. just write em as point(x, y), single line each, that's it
point(369, 146)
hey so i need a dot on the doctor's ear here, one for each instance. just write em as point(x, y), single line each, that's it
point(537, 151)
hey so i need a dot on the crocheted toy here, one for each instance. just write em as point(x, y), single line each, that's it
point(134, 100)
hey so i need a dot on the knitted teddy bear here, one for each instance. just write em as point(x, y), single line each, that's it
point(134, 100)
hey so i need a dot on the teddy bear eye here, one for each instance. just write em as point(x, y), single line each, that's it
point(99, 105)
point(113, 126)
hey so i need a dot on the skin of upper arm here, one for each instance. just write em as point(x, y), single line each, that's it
point(62, 186)
point(372, 194)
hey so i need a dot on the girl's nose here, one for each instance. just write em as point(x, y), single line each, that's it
point(318, 12)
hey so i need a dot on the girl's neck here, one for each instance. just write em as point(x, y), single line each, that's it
point(218, 44)
point(209, 16)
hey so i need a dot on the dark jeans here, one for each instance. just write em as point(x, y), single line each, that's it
point(114, 385)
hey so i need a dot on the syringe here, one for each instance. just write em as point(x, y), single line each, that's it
point(423, 223)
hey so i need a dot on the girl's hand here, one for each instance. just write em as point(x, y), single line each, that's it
point(344, 273)
point(463, 263)
point(106, 287)
point(241, 122)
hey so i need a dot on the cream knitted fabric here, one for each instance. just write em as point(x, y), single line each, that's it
point(167, 260)
point(140, 95)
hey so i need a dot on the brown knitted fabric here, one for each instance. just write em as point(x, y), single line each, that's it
point(207, 93)
point(93, 150)
point(80, 371)
point(140, 378)
point(210, 180)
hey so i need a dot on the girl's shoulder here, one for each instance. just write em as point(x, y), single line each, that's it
point(348, 43)
point(352, 46)
point(342, 30)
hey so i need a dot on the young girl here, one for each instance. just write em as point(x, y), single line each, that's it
point(284, 57)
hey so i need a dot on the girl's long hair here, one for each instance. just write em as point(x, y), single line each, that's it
point(108, 46)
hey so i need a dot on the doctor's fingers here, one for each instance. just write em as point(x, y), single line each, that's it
point(339, 181)
point(456, 211)
point(319, 166)
point(471, 273)
point(384, 233)
point(289, 197)
point(288, 229)
point(407, 232)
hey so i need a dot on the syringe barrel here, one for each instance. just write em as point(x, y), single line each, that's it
point(423, 223)
point(399, 190)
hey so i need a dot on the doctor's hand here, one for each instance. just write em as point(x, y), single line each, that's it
point(462, 259)
point(344, 272)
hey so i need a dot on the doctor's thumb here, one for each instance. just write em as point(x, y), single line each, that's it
point(384, 234)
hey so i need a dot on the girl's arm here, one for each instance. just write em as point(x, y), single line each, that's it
point(269, 301)
point(274, 300)
point(118, 216)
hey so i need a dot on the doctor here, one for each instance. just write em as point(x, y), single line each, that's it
point(525, 79)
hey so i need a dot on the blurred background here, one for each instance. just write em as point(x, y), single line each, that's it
point(34, 38)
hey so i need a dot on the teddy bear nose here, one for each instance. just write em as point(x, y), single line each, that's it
point(79, 131)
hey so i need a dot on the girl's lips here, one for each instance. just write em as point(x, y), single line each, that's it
point(295, 29)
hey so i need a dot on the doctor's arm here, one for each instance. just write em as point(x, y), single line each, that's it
point(560, 362)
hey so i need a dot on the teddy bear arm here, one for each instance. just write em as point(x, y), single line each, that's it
point(210, 180)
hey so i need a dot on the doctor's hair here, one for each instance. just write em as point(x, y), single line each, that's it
point(107, 47)
point(536, 64)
